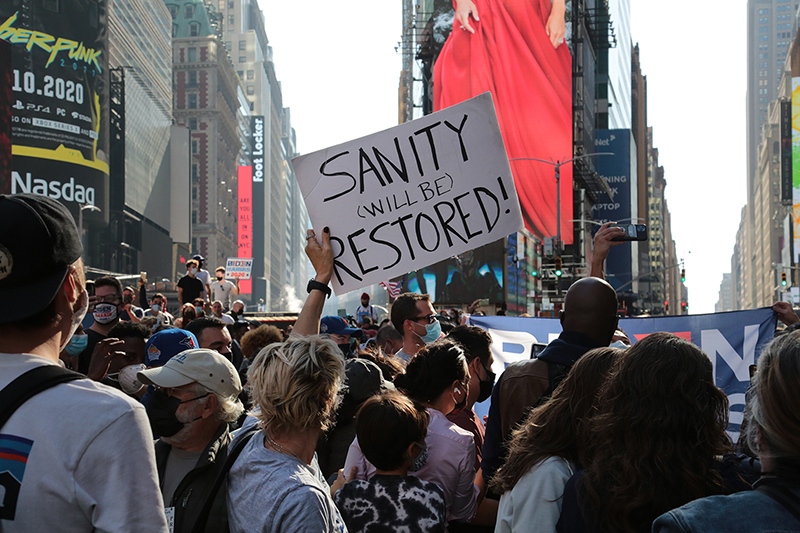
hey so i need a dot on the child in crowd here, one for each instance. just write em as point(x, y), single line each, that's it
point(391, 431)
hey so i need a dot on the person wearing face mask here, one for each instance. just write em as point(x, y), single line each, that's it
point(336, 328)
point(62, 476)
point(223, 290)
point(437, 378)
point(190, 286)
point(108, 306)
point(476, 343)
point(192, 408)
point(158, 309)
point(117, 358)
point(414, 317)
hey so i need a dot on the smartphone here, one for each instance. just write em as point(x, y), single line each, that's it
point(90, 287)
point(633, 232)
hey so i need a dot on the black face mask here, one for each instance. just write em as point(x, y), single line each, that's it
point(345, 348)
point(486, 387)
point(161, 411)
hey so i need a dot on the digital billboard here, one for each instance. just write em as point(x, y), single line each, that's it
point(796, 168)
point(59, 102)
point(616, 171)
point(516, 50)
point(245, 225)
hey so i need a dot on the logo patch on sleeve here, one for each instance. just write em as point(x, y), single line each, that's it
point(14, 453)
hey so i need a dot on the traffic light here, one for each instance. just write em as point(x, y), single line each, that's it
point(534, 272)
point(783, 279)
point(684, 306)
point(683, 275)
point(558, 272)
point(666, 305)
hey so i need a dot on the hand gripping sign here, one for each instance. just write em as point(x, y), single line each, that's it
point(412, 195)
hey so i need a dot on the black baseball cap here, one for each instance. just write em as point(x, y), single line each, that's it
point(38, 243)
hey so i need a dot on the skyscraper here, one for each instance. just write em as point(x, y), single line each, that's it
point(279, 264)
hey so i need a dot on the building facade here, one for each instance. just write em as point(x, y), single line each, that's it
point(207, 101)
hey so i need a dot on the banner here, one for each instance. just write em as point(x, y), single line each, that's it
point(60, 102)
point(732, 340)
point(412, 195)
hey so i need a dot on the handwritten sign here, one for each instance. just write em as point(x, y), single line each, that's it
point(236, 267)
point(412, 195)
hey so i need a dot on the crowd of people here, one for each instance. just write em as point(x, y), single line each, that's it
point(133, 420)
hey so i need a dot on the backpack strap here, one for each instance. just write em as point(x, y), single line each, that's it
point(781, 494)
point(29, 384)
point(233, 454)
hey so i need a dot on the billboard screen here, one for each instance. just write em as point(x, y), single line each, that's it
point(786, 152)
point(245, 229)
point(616, 171)
point(518, 53)
point(59, 102)
point(796, 168)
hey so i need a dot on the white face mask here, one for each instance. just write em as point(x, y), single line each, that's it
point(156, 308)
point(127, 379)
point(105, 313)
point(193, 270)
point(77, 318)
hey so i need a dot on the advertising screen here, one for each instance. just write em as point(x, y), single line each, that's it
point(245, 229)
point(59, 101)
point(796, 168)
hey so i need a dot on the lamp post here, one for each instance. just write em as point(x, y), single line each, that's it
point(80, 221)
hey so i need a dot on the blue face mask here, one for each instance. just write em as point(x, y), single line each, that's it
point(433, 332)
point(77, 344)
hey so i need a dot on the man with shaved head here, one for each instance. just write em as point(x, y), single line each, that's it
point(588, 320)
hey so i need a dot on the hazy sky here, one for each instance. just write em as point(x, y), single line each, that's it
point(340, 73)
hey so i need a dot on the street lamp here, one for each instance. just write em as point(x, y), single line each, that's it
point(557, 165)
point(80, 220)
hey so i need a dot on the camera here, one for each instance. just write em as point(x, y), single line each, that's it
point(633, 232)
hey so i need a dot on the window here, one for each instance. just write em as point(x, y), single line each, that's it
point(230, 20)
point(195, 172)
point(242, 59)
point(193, 124)
point(194, 146)
point(250, 74)
point(192, 101)
point(251, 106)
point(192, 55)
point(194, 29)
point(230, 5)
point(242, 45)
point(173, 11)
point(251, 90)
point(191, 81)
point(174, 30)
point(221, 5)
point(194, 193)
point(228, 45)
point(194, 216)
point(188, 11)
point(240, 73)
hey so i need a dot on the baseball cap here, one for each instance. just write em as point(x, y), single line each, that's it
point(338, 325)
point(363, 379)
point(166, 344)
point(198, 257)
point(365, 295)
point(38, 243)
point(201, 365)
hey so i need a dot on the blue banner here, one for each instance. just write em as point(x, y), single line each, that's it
point(732, 341)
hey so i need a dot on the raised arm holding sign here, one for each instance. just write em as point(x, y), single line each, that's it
point(412, 195)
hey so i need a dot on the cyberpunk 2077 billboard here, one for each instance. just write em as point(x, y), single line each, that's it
point(59, 101)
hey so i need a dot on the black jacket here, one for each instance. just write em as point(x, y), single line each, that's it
point(193, 489)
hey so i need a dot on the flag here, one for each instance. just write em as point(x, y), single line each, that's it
point(392, 287)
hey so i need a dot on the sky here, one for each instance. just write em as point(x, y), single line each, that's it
point(339, 72)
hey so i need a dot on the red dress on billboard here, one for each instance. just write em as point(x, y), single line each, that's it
point(511, 55)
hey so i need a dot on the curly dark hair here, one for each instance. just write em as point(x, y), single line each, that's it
point(661, 424)
point(256, 339)
point(554, 428)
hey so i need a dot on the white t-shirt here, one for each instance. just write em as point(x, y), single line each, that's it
point(82, 457)
point(221, 290)
point(203, 276)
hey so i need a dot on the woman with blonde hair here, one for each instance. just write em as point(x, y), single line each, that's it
point(774, 432)
point(273, 486)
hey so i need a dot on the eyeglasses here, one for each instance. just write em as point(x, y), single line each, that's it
point(110, 299)
point(430, 319)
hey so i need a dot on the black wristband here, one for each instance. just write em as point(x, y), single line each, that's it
point(316, 285)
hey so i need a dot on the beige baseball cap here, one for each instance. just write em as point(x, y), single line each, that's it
point(201, 365)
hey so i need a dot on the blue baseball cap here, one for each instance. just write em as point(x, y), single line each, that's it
point(338, 325)
point(166, 344)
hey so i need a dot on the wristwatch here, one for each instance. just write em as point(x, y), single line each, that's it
point(314, 284)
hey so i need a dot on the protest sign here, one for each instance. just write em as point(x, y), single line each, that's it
point(237, 267)
point(412, 195)
point(732, 340)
